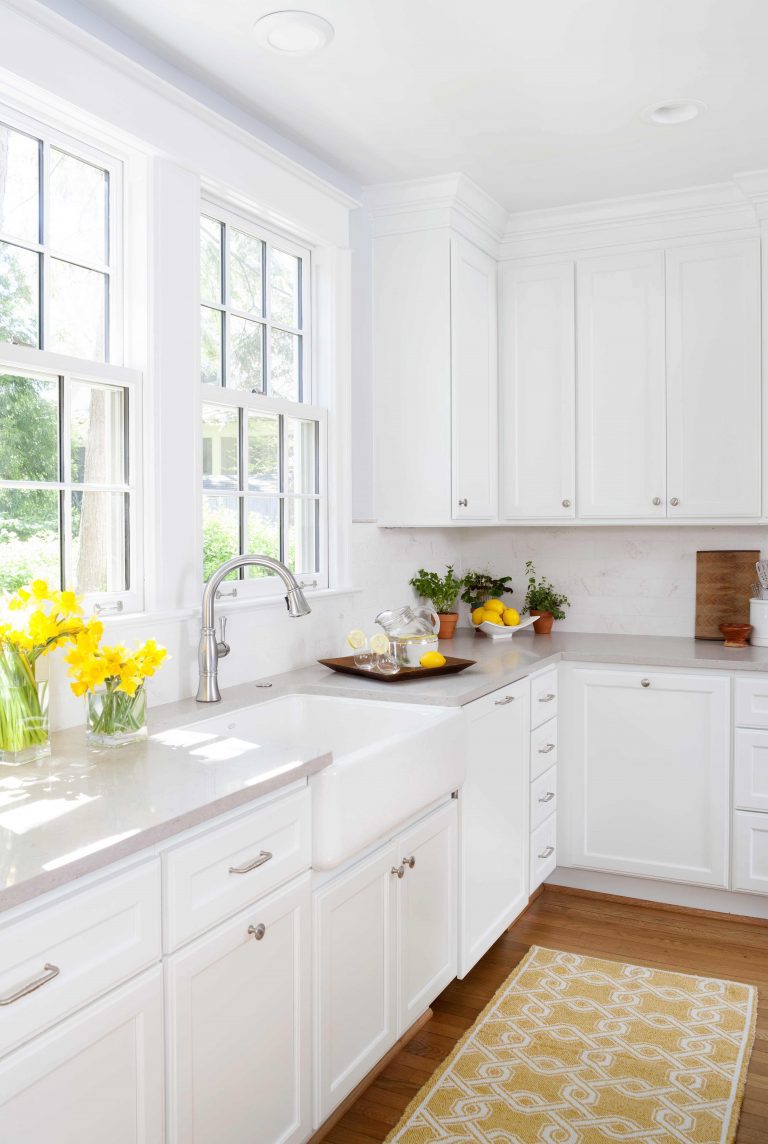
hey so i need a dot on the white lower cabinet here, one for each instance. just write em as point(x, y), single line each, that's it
point(239, 1027)
point(750, 851)
point(493, 820)
point(385, 946)
point(95, 1077)
point(644, 786)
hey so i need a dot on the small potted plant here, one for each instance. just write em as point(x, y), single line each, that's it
point(543, 601)
point(481, 586)
point(441, 591)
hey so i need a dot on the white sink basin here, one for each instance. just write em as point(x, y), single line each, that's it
point(389, 761)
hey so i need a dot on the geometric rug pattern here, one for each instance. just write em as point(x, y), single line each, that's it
point(579, 1050)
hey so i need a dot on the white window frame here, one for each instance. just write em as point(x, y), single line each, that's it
point(305, 409)
point(54, 365)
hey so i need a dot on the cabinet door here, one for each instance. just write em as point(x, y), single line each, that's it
point(493, 820)
point(239, 1035)
point(644, 784)
point(474, 392)
point(621, 402)
point(98, 1076)
point(355, 1001)
point(427, 905)
point(750, 852)
point(713, 379)
point(537, 398)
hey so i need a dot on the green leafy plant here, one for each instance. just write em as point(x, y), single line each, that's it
point(541, 595)
point(480, 586)
point(441, 590)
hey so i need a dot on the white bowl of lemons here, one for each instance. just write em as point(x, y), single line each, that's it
point(496, 620)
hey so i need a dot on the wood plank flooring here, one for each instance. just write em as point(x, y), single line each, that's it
point(643, 934)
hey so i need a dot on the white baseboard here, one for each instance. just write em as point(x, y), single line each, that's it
point(670, 893)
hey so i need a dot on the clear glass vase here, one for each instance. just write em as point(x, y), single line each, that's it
point(24, 730)
point(115, 719)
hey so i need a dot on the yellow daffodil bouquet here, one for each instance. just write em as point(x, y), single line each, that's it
point(33, 621)
point(112, 680)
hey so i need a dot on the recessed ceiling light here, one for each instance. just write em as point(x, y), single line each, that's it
point(293, 33)
point(674, 111)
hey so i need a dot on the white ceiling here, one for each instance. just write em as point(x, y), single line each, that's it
point(538, 101)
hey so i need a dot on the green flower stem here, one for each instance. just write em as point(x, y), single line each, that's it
point(113, 712)
point(23, 718)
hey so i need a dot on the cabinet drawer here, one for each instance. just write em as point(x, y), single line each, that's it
point(543, 748)
point(543, 851)
point(228, 868)
point(543, 797)
point(750, 776)
point(751, 702)
point(70, 952)
point(750, 851)
point(543, 697)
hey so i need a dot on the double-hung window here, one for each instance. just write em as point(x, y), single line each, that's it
point(68, 414)
point(263, 437)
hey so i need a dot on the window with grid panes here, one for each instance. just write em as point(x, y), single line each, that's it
point(67, 411)
point(263, 439)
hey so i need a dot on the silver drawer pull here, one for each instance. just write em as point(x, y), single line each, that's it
point(547, 748)
point(547, 698)
point(503, 702)
point(258, 931)
point(51, 971)
point(409, 862)
point(398, 870)
point(548, 796)
point(547, 852)
point(246, 867)
point(645, 683)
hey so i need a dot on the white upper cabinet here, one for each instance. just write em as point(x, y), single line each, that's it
point(621, 387)
point(537, 396)
point(474, 391)
point(713, 379)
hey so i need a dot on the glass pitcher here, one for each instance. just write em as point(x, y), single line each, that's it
point(412, 632)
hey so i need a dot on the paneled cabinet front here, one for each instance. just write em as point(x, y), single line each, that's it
point(644, 774)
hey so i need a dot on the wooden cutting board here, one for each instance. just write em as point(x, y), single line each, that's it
point(723, 589)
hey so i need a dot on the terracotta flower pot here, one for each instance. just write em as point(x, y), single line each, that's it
point(448, 621)
point(543, 626)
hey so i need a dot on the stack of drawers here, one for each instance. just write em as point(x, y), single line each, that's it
point(750, 786)
point(543, 776)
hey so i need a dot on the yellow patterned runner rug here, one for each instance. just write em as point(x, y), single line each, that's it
point(578, 1050)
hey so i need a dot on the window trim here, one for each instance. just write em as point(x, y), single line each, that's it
point(307, 409)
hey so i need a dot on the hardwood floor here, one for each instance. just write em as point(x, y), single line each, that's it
point(643, 934)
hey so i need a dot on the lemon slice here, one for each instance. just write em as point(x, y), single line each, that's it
point(379, 643)
point(356, 639)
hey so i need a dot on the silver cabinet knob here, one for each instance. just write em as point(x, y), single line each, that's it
point(674, 502)
point(566, 503)
point(464, 503)
point(547, 748)
point(257, 931)
point(548, 796)
point(409, 862)
point(399, 871)
point(645, 683)
point(547, 852)
point(503, 702)
point(657, 501)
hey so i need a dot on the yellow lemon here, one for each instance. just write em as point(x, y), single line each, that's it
point(511, 617)
point(432, 659)
point(494, 606)
point(379, 643)
point(478, 615)
point(356, 639)
point(492, 617)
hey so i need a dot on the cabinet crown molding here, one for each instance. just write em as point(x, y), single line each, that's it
point(445, 201)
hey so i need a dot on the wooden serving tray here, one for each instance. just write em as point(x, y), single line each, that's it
point(346, 665)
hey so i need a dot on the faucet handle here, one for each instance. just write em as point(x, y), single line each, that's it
point(222, 646)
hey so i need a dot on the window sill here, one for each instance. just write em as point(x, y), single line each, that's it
point(243, 605)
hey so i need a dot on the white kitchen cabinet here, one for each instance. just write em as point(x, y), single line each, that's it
point(385, 946)
point(98, 1076)
point(537, 415)
point(239, 1014)
point(713, 379)
point(750, 769)
point(750, 852)
point(621, 400)
point(474, 388)
point(493, 820)
point(644, 774)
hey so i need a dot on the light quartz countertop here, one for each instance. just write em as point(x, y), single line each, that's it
point(83, 809)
